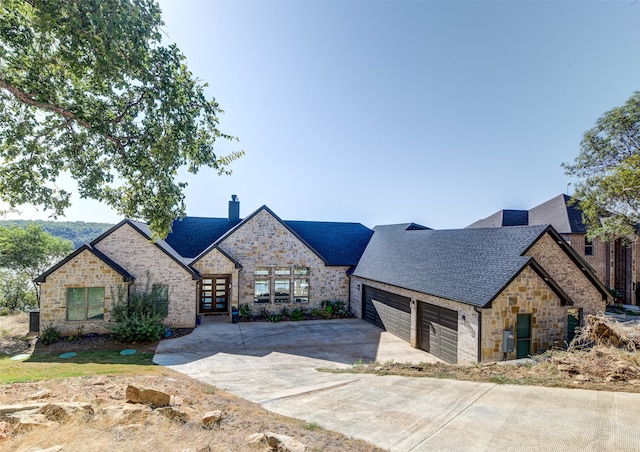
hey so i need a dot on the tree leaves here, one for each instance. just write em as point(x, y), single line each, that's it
point(88, 88)
point(609, 163)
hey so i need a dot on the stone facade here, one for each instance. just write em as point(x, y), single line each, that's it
point(528, 293)
point(467, 330)
point(215, 263)
point(84, 270)
point(263, 241)
point(150, 265)
point(568, 275)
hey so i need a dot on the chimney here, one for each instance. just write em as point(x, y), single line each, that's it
point(234, 209)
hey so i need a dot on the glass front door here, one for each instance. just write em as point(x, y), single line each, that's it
point(214, 294)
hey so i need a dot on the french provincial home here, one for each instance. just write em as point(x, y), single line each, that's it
point(455, 294)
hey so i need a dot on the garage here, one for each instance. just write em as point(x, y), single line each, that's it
point(438, 331)
point(388, 311)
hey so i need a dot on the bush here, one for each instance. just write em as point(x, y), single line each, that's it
point(245, 311)
point(50, 334)
point(4, 311)
point(297, 314)
point(141, 317)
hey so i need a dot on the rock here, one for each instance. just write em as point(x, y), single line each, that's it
point(60, 411)
point(25, 421)
point(254, 439)
point(284, 443)
point(211, 418)
point(49, 449)
point(173, 414)
point(5, 430)
point(41, 394)
point(127, 413)
point(147, 396)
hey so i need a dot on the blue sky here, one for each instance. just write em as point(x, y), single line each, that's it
point(440, 113)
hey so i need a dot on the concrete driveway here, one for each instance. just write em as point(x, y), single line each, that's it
point(275, 364)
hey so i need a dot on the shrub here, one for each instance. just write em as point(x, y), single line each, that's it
point(141, 317)
point(284, 312)
point(4, 311)
point(50, 334)
point(297, 314)
point(245, 311)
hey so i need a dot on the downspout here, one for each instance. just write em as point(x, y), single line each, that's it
point(475, 308)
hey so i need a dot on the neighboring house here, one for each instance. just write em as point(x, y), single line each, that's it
point(616, 263)
point(454, 293)
point(207, 266)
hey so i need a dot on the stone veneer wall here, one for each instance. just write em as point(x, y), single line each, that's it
point(143, 259)
point(214, 263)
point(84, 270)
point(263, 241)
point(569, 276)
point(467, 332)
point(527, 294)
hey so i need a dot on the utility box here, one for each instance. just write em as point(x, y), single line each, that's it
point(34, 321)
point(508, 341)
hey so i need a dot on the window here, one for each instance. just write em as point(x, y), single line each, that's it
point(282, 292)
point(262, 291)
point(161, 299)
point(85, 303)
point(588, 247)
point(301, 290)
point(282, 281)
point(301, 271)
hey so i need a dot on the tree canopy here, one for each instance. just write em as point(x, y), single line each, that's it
point(609, 166)
point(29, 251)
point(88, 88)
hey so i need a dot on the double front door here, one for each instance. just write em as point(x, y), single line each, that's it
point(214, 294)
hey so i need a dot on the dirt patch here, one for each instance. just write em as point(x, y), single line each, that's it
point(14, 335)
point(240, 419)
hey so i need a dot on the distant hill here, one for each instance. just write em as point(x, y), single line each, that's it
point(78, 232)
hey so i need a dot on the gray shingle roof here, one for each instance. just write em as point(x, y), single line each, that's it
point(564, 218)
point(467, 265)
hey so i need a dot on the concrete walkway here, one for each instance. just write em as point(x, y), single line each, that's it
point(275, 365)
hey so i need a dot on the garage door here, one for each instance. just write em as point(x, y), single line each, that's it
point(438, 331)
point(388, 311)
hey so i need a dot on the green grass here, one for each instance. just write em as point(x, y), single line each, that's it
point(45, 366)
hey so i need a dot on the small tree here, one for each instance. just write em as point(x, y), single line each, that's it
point(140, 317)
point(16, 292)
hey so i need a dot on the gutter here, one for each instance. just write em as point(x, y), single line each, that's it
point(475, 308)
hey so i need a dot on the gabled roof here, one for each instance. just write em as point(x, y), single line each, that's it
point(503, 218)
point(472, 266)
point(125, 275)
point(189, 236)
point(566, 219)
point(144, 230)
point(335, 243)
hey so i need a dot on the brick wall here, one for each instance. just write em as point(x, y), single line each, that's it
point(84, 270)
point(149, 264)
point(263, 241)
point(600, 260)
